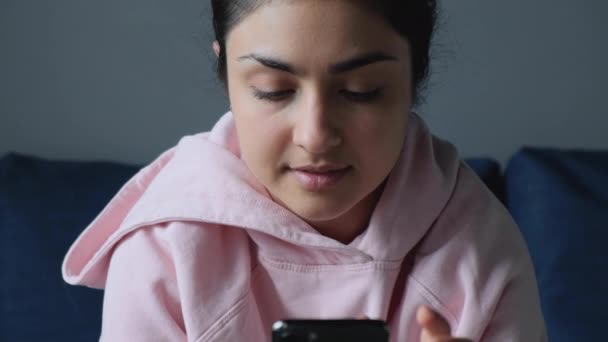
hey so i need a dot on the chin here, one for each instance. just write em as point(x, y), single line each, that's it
point(320, 211)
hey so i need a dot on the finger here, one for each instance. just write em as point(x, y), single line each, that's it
point(427, 338)
point(432, 323)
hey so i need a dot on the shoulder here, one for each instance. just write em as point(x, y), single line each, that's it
point(197, 260)
point(474, 220)
point(185, 243)
point(183, 276)
point(473, 252)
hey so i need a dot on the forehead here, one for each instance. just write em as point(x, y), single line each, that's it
point(314, 29)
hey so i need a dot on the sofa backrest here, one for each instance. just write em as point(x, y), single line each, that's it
point(558, 198)
point(560, 202)
point(44, 205)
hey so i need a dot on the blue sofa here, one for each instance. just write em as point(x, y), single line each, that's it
point(559, 199)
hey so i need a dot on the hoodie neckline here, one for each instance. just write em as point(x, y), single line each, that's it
point(204, 180)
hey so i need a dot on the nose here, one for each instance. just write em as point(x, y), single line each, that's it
point(315, 129)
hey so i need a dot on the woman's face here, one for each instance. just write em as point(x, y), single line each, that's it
point(321, 92)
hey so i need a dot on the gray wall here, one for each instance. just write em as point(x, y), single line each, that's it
point(521, 72)
point(124, 80)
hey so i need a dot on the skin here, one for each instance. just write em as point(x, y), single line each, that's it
point(355, 118)
point(434, 327)
point(317, 121)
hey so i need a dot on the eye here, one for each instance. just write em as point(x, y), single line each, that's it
point(274, 96)
point(367, 96)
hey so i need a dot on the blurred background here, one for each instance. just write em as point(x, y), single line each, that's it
point(124, 80)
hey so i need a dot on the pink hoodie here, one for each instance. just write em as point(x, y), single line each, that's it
point(192, 248)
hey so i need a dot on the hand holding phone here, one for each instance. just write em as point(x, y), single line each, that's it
point(347, 330)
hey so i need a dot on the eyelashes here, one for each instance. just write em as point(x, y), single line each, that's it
point(368, 96)
point(278, 96)
point(274, 96)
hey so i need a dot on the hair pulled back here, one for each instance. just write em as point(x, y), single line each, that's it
point(414, 20)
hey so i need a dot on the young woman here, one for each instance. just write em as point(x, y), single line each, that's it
point(319, 195)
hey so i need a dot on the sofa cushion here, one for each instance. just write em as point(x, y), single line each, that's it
point(489, 171)
point(560, 201)
point(44, 205)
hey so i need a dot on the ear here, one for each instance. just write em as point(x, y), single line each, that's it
point(216, 48)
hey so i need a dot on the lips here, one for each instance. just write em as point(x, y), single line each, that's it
point(321, 168)
point(319, 178)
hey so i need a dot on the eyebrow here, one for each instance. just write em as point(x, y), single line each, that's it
point(338, 68)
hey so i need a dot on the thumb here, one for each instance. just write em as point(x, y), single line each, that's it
point(432, 324)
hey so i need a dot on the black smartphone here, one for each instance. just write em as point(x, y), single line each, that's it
point(347, 330)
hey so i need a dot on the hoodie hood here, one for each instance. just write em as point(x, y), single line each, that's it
point(204, 180)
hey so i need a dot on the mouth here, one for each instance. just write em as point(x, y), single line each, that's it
point(327, 168)
point(319, 178)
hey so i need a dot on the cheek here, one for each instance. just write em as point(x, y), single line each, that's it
point(263, 142)
point(379, 139)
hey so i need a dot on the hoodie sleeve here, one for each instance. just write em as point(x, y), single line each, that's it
point(476, 266)
point(141, 300)
point(517, 316)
